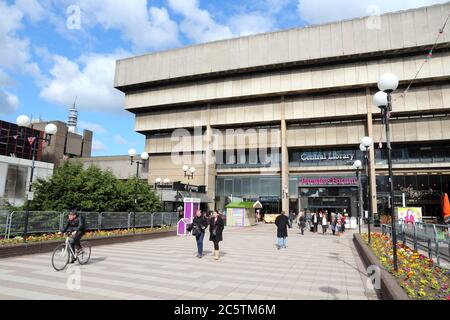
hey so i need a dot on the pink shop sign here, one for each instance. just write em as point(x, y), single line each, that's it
point(329, 181)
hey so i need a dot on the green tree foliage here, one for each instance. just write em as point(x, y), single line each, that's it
point(92, 190)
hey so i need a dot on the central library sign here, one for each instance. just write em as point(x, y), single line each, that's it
point(330, 156)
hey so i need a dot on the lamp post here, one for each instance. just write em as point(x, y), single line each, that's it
point(387, 84)
point(366, 144)
point(357, 165)
point(50, 130)
point(159, 182)
point(189, 174)
point(144, 157)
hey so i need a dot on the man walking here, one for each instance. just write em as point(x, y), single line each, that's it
point(282, 223)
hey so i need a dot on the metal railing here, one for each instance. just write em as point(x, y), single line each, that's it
point(12, 223)
point(431, 238)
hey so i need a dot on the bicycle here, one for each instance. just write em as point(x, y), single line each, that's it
point(63, 253)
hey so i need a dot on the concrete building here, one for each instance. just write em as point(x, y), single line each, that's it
point(65, 144)
point(120, 166)
point(278, 117)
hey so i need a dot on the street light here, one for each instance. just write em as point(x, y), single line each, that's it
point(159, 182)
point(144, 157)
point(366, 144)
point(189, 173)
point(387, 84)
point(357, 165)
point(50, 130)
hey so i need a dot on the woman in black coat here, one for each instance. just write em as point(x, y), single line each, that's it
point(216, 226)
point(282, 223)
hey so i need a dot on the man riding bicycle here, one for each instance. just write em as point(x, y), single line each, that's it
point(77, 226)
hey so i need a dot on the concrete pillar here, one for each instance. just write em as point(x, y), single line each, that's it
point(210, 168)
point(3, 175)
point(284, 161)
point(372, 172)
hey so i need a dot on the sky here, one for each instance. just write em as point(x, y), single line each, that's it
point(55, 51)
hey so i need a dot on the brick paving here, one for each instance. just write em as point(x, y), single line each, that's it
point(313, 266)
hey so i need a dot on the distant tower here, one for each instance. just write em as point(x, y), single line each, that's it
point(73, 118)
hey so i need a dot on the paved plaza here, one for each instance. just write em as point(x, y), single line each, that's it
point(313, 266)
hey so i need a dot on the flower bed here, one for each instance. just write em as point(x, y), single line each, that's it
point(88, 235)
point(417, 275)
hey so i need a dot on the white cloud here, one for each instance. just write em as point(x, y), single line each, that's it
point(94, 127)
point(198, 24)
point(8, 102)
point(118, 139)
point(90, 78)
point(322, 11)
point(147, 28)
point(32, 9)
point(251, 23)
point(98, 146)
point(15, 53)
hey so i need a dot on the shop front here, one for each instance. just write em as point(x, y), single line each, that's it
point(335, 194)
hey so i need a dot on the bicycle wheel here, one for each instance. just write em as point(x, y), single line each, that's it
point(85, 253)
point(60, 257)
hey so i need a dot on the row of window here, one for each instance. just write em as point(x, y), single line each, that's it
point(434, 153)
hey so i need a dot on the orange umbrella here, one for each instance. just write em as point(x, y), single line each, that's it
point(445, 207)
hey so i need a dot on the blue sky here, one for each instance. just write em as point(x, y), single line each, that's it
point(45, 62)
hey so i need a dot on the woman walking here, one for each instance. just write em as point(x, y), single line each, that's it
point(315, 221)
point(324, 223)
point(333, 223)
point(216, 227)
point(199, 225)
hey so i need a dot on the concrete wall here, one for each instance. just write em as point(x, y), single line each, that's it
point(336, 75)
point(119, 165)
point(399, 30)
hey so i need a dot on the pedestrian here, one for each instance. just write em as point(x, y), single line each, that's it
point(291, 218)
point(199, 225)
point(301, 222)
point(343, 223)
point(333, 223)
point(324, 223)
point(216, 227)
point(315, 221)
point(282, 223)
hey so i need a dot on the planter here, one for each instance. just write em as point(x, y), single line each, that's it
point(390, 288)
point(49, 246)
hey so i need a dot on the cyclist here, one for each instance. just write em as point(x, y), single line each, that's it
point(77, 226)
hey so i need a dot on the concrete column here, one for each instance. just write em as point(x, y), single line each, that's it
point(210, 168)
point(284, 161)
point(372, 175)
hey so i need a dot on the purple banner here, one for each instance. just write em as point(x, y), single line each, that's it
point(328, 181)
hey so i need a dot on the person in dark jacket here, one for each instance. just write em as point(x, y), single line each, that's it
point(282, 223)
point(216, 226)
point(302, 222)
point(200, 224)
point(77, 226)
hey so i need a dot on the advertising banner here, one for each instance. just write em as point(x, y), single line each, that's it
point(409, 215)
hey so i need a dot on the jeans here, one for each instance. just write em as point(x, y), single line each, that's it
point(199, 239)
point(282, 242)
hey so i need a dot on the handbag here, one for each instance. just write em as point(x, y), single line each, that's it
point(195, 230)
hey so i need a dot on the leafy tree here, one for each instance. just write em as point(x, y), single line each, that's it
point(91, 189)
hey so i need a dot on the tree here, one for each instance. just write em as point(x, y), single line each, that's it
point(91, 190)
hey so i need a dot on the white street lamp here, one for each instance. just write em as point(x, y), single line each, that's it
point(388, 83)
point(23, 121)
point(132, 153)
point(357, 164)
point(145, 156)
point(51, 129)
